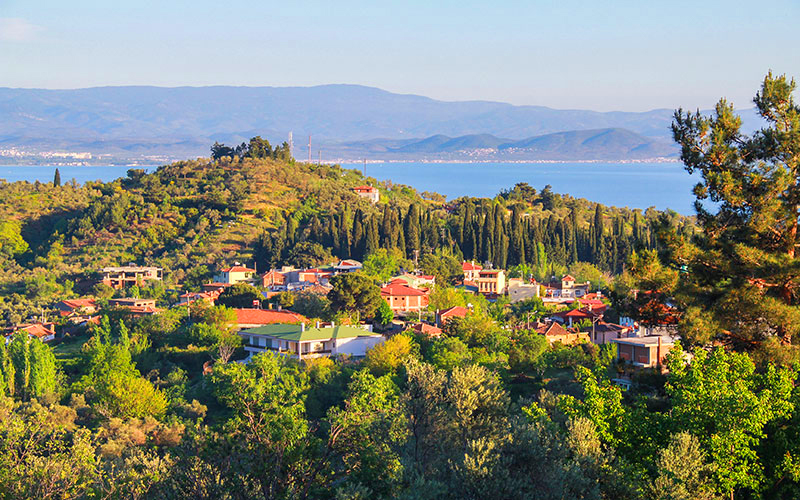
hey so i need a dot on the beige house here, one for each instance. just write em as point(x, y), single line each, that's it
point(235, 274)
point(491, 282)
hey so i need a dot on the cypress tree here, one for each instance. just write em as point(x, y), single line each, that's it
point(57, 178)
point(412, 230)
point(372, 239)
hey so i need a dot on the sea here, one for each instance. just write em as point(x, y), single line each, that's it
point(662, 185)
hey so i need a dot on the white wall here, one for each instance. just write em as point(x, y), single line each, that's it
point(357, 346)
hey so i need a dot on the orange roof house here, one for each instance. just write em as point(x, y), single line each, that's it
point(451, 312)
point(403, 298)
point(554, 332)
point(368, 192)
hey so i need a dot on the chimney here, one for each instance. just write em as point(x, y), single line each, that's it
point(302, 327)
point(317, 324)
point(658, 353)
point(333, 324)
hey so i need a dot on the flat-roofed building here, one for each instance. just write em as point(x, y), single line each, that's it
point(124, 276)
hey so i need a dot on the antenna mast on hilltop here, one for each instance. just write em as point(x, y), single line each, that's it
point(365, 167)
point(291, 145)
point(309, 149)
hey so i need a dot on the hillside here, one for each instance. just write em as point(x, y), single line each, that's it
point(578, 145)
point(136, 122)
point(195, 217)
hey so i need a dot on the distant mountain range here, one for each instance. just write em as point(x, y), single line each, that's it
point(184, 121)
point(580, 145)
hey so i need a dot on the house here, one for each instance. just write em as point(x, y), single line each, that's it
point(347, 266)
point(554, 332)
point(403, 298)
point(76, 307)
point(42, 331)
point(603, 333)
point(273, 278)
point(300, 342)
point(121, 277)
point(416, 281)
point(644, 352)
point(426, 330)
point(308, 276)
point(566, 288)
point(136, 307)
point(491, 282)
point(594, 305)
point(467, 286)
point(189, 297)
point(252, 318)
point(471, 270)
point(235, 274)
point(573, 316)
point(518, 290)
point(368, 192)
point(451, 312)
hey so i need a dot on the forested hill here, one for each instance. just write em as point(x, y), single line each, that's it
point(194, 217)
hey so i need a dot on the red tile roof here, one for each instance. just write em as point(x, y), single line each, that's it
point(78, 303)
point(37, 330)
point(364, 189)
point(267, 317)
point(238, 269)
point(567, 278)
point(399, 288)
point(454, 312)
point(427, 329)
point(469, 266)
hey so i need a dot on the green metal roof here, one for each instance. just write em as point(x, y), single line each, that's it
point(295, 334)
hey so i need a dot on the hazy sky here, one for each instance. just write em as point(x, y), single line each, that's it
point(603, 55)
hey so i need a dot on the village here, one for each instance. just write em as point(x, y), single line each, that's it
point(575, 314)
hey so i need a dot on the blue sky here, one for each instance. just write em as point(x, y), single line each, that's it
point(611, 55)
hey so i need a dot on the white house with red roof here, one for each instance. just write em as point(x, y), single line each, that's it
point(566, 288)
point(471, 270)
point(403, 298)
point(235, 274)
point(347, 266)
point(368, 192)
point(42, 331)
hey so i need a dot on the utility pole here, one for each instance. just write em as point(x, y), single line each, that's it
point(365, 167)
point(291, 145)
point(309, 149)
point(319, 151)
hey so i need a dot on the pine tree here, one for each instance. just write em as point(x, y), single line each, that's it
point(742, 280)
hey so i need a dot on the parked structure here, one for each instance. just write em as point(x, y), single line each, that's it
point(124, 276)
point(300, 342)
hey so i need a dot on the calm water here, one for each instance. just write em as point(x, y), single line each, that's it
point(45, 173)
point(636, 185)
